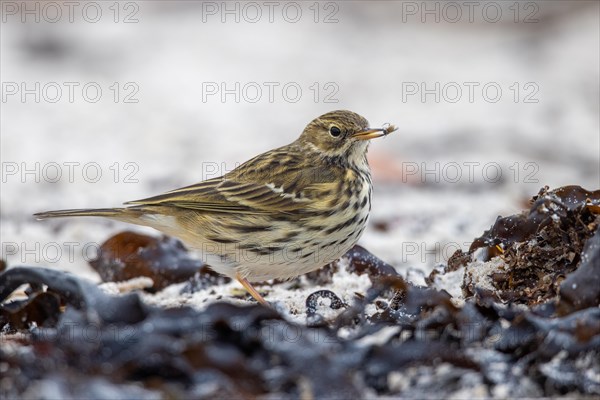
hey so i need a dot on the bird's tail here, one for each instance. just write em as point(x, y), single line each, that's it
point(121, 214)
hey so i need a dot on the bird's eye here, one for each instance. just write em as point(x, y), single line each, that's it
point(335, 131)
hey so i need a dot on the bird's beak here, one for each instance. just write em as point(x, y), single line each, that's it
point(373, 133)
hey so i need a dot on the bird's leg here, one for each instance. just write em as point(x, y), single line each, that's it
point(251, 290)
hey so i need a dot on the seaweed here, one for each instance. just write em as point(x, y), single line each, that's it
point(532, 330)
point(535, 249)
point(165, 260)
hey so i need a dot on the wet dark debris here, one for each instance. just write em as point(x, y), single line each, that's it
point(455, 262)
point(165, 260)
point(581, 289)
point(565, 207)
point(359, 261)
point(523, 335)
point(539, 247)
point(362, 262)
point(312, 301)
point(39, 309)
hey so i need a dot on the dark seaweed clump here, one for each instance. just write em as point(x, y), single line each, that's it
point(165, 260)
point(396, 339)
point(540, 246)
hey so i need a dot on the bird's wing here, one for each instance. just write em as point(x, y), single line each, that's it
point(232, 196)
point(275, 182)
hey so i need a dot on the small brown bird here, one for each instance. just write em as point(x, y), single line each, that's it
point(282, 214)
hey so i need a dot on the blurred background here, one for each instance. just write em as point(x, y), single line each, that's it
point(105, 102)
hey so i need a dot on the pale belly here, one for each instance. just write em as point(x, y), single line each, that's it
point(307, 251)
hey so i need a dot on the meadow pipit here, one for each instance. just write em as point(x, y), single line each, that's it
point(283, 213)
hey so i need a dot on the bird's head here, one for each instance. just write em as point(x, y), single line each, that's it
point(341, 133)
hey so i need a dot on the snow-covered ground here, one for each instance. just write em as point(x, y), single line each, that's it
point(488, 112)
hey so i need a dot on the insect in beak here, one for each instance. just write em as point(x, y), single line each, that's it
point(373, 133)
